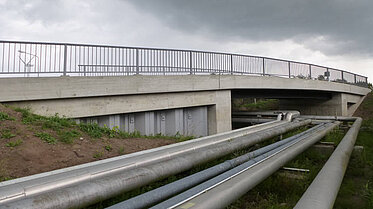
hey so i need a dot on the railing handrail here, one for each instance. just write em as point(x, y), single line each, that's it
point(179, 50)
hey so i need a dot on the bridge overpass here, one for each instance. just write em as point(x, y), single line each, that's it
point(164, 90)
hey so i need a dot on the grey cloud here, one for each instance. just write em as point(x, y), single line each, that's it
point(334, 27)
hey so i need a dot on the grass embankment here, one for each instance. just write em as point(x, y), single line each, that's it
point(31, 143)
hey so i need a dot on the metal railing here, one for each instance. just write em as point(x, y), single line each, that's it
point(33, 59)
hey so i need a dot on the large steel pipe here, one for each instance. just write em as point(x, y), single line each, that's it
point(225, 193)
point(89, 192)
point(205, 186)
point(252, 120)
point(325, 117)
point(323, 191)
point(31, 185)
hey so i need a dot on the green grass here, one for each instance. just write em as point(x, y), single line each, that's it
point(6, 134)
point(46, 137)
point(66, 133)
point(95, 131)
point(68, 137)
point(334, 136)
point(14, 143)
point(92, 129)
point(55, 122)
point(108, 148)
point(98, 154)
point(121, 150)
point(4, 116)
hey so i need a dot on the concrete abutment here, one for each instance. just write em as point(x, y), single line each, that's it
point(186, 113)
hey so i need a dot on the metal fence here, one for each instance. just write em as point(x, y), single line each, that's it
point(34, 59)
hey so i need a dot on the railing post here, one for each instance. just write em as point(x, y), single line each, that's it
point(289, 70)
point(231, 64)
point(310, 71)
point(327, 70)
point(137, 61)
point(190, 63)
point(354, 78)
point(264, 72)
point(342, 76)
point(64, 60)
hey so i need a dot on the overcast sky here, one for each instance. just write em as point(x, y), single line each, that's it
point(334, 33)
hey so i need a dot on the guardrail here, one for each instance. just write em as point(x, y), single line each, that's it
point(34, 59)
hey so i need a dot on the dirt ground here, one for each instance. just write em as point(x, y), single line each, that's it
point(34, 156)
point(365, 110)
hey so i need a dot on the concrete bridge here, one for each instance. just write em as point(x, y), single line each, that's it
point(164, 91)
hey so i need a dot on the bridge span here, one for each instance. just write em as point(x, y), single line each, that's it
point(164, 90)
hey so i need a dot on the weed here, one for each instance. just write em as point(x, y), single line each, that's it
point(335, 136)
point(5, 116)
point(121, 150)
point(135, 134)
point(57, 123)
point(108, 147)
point(46, 137)
point(3, 171)
point(111, 133)
point(14, 143)
point(178, 137)
point(98, 154)
point(68, 136)
point(54, 122)
point(5, 178)
point(92, 129)
point(27, 116)
point(6, 134)
point(368, 193)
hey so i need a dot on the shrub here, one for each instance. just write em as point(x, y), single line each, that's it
point(4, 116)
point(54, 122)
point(68, 136)
point(98, 154)
point(6, 134)
point(57, 123)
point(92, 129)
point(14, 143)
point(121, 150)
point(46, 137)
point(108, 147)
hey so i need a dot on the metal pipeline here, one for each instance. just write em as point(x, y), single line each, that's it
point(268, 151)
point(270, 116)
point(166, 191)
point(266, 113)
point(223, 194)
point(174, 159)
point(39, 183)
point(323, 190)
point(338, 118)
point(252, 120)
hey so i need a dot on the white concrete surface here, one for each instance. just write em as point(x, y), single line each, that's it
point(24, 89)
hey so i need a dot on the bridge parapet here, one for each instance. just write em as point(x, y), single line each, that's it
point(35, 59)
